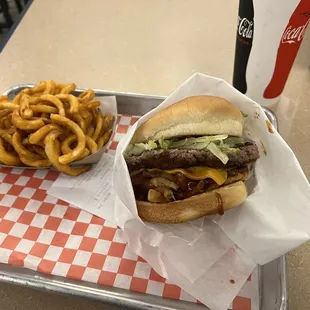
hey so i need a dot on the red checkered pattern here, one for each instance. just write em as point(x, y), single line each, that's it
point(48, 235)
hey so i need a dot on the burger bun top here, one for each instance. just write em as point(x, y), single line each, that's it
point(192, 116)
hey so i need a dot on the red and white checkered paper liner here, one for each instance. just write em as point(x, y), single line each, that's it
point(43, 233)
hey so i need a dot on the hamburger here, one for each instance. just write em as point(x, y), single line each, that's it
point(190, 160)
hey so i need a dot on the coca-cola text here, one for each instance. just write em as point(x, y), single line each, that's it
point(245, 28)
point(292, 35)
point(288, 48)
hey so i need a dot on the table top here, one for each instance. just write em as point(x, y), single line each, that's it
point(151, 47)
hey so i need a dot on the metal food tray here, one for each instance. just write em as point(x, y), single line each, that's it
point(272, 276)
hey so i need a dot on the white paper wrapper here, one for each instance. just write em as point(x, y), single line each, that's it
point(272, 221)
point(90, 191)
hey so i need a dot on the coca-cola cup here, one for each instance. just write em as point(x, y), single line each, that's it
point(269, 34)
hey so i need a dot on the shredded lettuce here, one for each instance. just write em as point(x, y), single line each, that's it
point(196, 146)
point(218, 145)
point(233, 141)
point(147, 146)
point(179, 143)
point(134, 150)
point(139, 148)
point(215, 150)
point(211, 138)
point(196, 143)
point(164, 144)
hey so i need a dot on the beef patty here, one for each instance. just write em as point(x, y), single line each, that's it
point(176, 158)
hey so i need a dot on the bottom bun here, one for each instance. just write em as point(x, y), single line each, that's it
point(208, 203)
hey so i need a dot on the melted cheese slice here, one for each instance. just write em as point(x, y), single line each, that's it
point(201, 173)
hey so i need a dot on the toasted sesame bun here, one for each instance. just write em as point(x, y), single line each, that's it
point(192, 116)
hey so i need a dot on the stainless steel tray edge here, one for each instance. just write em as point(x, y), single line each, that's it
point(124, 299)
point(272, 275)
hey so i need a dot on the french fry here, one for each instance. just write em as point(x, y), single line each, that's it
point(40, 134)
point(8, 158)
point(37, 149)
point(5, 122)
point(51, 99)
point(108, 120)
point(38, 89)
point(16, 100)
point(23, 124)
point(58, 88)
point(87, 95)
point(91, 144)
point(6, 104)
point(39, 163)
point(103, 140)
point(4, 98)
point(4, 113)
point(99, 125)
point(49, 87)
point(67, 89)
point(81, 140)
point(53, 154)
point(9, 131)
point(18, 97)
point(100, 143)
point(81, 122)
point(85, 113)
point(8, 138)
point(24, 109)
point(45, 120)
point(73, 101)
point(66, 147)
point(66, 144)
point(90, 131)
point(85, 153)
point(42, 108)
point(90, 105)
point(88, 121)
point(21, 149)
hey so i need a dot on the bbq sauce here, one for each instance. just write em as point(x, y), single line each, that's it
point(269, 126)
point(219, 203)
